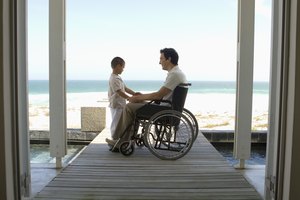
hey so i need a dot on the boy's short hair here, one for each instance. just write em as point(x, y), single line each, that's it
point(117, 61)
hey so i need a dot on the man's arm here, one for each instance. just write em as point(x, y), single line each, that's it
point(163, 91)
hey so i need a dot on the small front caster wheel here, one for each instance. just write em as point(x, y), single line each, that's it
point(127, 148)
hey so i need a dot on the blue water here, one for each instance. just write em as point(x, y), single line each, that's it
point(84, 86)
point(257, 155)
point(40, 153)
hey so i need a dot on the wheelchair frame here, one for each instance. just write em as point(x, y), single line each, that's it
point(168, 134)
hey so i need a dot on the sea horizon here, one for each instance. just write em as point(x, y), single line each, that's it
point(197, 86)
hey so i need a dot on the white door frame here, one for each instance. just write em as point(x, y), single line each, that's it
point(57, 81)
point(22, 98)
point(283, 164)
point(244, 83)
point(14, 143)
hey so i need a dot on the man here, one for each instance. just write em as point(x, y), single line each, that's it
point(169, 62)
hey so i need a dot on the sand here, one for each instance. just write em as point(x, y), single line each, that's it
point(213, 111)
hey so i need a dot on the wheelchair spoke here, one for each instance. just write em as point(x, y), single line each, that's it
point(169, 135)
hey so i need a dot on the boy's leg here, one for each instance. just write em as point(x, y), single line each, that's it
point(115, 116)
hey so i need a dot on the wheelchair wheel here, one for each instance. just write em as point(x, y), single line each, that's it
point(126, 148)
point(169, 135)
point(193, 121)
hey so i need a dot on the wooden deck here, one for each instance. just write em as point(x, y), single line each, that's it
point(100, 174)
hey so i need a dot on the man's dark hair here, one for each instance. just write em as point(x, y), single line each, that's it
point(170, 53)
point(117, 61)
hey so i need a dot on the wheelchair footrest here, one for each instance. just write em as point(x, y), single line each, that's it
point(171, 146)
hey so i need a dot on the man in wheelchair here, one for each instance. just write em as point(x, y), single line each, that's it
point(139, 111)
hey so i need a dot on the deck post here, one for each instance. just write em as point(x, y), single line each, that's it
point(244, 84)
point(57, 79)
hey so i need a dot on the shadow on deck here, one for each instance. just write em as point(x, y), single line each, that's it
point(100, 174)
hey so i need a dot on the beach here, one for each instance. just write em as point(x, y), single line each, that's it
point(213, 111)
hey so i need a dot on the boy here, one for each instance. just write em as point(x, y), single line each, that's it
point(117, 92)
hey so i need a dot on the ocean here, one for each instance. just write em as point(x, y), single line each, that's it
point(85, 86)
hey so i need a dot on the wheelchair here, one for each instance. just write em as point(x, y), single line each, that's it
point(168, 130)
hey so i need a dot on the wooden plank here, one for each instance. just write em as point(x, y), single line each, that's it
point(100, 174)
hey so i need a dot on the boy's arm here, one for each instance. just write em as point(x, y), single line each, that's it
point(151, 96)
point(129, 91)
point(123, 94)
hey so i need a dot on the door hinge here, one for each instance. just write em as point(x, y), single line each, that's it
point(25, 185)
point(271, 184)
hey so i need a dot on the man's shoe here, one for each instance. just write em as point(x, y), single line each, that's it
point(110, 142)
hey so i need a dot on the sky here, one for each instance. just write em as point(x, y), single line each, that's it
point(203, 32)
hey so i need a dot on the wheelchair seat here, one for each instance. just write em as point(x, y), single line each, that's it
point(154, 106)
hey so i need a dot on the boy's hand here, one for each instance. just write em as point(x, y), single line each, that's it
point(134, 99)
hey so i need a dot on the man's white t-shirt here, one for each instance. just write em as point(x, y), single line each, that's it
point(174, 77)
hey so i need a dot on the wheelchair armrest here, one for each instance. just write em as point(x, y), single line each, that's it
point(160, 101)
point(185, 84)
